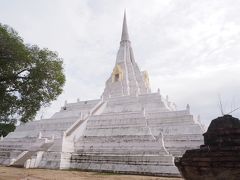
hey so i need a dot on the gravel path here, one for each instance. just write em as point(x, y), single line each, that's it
point(10, 173)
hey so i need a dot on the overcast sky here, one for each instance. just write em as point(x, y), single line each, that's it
point(191, 49)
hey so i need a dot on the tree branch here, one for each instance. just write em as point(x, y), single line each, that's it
point(14, 76)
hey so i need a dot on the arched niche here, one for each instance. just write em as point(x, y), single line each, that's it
point(117, 74)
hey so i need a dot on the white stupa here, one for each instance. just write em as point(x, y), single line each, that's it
point(128, 130)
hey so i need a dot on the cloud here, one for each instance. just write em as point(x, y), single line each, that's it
point(190, 48)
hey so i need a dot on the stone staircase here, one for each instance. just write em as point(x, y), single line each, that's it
point(121, 142)
point(25, 155)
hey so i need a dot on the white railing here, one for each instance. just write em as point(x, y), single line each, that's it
point(70, 130)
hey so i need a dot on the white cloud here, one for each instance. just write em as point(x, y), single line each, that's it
point(190, 48)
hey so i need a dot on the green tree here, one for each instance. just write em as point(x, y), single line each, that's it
point(30, 77)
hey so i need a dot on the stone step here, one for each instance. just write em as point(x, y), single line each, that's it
point(168, 114)
point(19, 146)
point(118, 138)
point(138, 120)
point(129, 159)
point(64, 114)
point(81, 106)
point(46, 126)
point(183, 137)
point(122, 115)
point(122, 98)
point(88, 102)
point(116, 126)
point(107, 152)
point(169, 119)
point(120, 149)
point(145, 169)
point(103, 143)
point(117, 131)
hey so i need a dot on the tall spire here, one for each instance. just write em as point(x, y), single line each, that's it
point(125, 36)
point(126, 78)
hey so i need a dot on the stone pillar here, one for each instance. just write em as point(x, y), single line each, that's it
point(27, 163)
point(40, 135)
point(188, 108)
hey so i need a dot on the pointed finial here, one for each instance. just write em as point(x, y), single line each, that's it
point(199, 118)
point(175, 106)
point(125, 36)
point(188, 108)
point(65, 105)
point(167, 98)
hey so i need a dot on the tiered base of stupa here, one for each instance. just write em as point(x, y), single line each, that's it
point(120, 134)
point(129, 137)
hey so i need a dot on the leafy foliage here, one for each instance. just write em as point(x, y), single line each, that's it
point(30, 77)
point(5, 128)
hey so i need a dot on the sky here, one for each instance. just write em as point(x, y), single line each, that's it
point(191, 49)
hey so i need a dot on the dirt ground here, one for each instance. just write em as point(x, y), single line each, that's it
point(10, 173)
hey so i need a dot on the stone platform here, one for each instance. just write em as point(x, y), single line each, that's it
point(219, 157)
